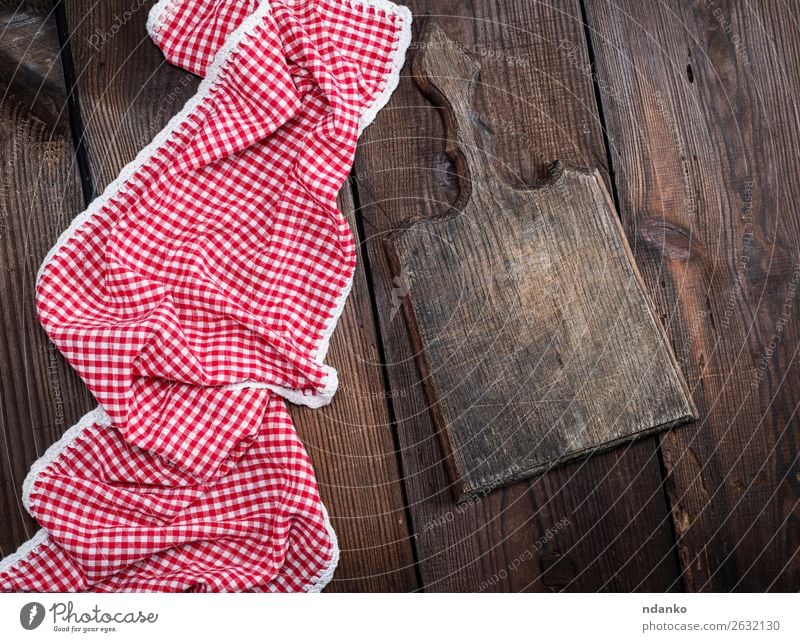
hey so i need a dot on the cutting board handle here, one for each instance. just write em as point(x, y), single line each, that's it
point(447, 76)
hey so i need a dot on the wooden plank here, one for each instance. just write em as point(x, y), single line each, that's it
point(40, 396)
point(604, 519)
point(706, 159)
point(128, 93)
point(542, 347)
point(351, 445)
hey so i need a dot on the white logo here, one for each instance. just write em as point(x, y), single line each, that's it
point(31, 615)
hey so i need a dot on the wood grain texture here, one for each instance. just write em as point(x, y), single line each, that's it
point(535, 339)
point(537, 100)
point(127, 94)
point(706, 157)
point(40, 396)
point(350, 443)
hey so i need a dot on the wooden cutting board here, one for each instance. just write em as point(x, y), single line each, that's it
point(534, 336)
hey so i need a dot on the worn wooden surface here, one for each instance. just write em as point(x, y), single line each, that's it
point(535, 340)
point(40, 396)
point(700, 108)
point(706, 156)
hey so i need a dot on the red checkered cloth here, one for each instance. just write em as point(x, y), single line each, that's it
point(196, 295)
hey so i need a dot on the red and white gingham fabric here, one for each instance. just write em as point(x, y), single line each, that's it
point(195, 295)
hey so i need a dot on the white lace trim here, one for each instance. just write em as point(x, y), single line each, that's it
point(96, 416)
point(298, 397)
point(398, 59)
point(326, 575)
point(25, 549)
point(155, 23)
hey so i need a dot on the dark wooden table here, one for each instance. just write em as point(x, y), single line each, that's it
point(689, 110)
